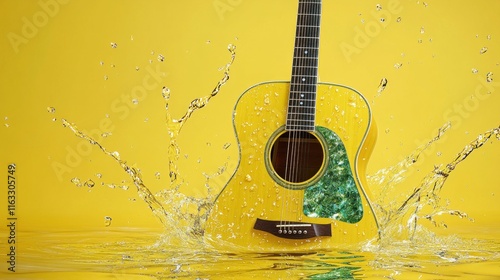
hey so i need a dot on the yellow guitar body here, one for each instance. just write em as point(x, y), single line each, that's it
point(256, 192)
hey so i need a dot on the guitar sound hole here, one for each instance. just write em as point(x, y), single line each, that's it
point(297, 156)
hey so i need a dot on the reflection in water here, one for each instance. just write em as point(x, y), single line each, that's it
point(182, 253)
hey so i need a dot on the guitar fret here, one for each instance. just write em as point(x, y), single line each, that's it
point(297, 89)
point(302, 107)
point(299, 47)
point(301, 120)
point(299, 75)
point(300, 103)
point(308, 37)
point(305, 63)
point(310, 116)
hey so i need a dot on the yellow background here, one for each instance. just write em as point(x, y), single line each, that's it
point(51, 54)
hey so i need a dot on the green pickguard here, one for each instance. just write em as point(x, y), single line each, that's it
point(335, 195)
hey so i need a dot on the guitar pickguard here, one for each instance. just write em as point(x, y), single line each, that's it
point(335, 195)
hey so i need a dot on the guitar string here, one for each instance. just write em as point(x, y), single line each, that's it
point(290, 156)
point(296, 134)
point(309, 30)
point(291, 111)
point(310, 34)
point(300, 134)
point(298, 144)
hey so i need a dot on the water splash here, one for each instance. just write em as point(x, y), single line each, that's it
point(382, 85)
point(134, 173)
point(170, 206)
point(489, 77)
point(400, 220)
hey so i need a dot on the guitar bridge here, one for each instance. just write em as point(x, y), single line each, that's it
point(293, 230)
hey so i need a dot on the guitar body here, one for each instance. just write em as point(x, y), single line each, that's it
point(263, 209)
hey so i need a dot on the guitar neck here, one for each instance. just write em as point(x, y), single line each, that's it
point(302, 97)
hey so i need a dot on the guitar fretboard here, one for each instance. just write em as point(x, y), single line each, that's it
point(302, 97)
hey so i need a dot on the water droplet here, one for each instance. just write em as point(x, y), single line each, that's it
point(114, 45)
point(248, 178)
point(474, 71)
point(266, 100)
point(98, 175)
point(165, 92)
point(398, 65)
point(137, 68)
point(135, 101)
point(126, 257)
point(489, 77)
point(161, 58)
point(89, 183)
point(116, 155)
point(76, 181)
point(105, 77)
point(51, 110)
point(382, 85)
point(422, 30)
point(378, 7)
point(387, 130)
point(101, 63)
point(488, 37)
point(107, 220)
point(382, 19)
point(398, 19)
point(226, 146)
point(483, 50)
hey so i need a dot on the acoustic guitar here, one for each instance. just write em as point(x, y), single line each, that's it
point(303, 148)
